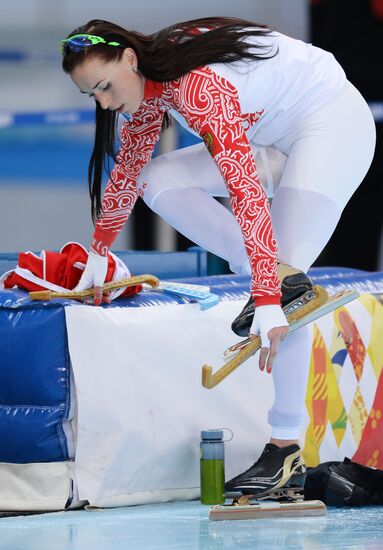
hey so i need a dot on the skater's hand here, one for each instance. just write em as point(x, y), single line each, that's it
point(94, 276)
point(271, 325)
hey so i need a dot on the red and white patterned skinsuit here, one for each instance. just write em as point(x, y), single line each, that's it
point(298, 102)
point(228, 106)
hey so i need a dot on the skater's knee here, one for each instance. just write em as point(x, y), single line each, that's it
point(174, 198)
point(155, 169)
point(154, 178)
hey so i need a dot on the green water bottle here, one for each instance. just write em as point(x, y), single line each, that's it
point(212, 467)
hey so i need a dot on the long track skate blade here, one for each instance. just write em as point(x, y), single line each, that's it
point(268, 509)
point(334, 301)
point(46, 295)
point(320, 305)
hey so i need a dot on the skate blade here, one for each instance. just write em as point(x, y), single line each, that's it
point(300, 315)
point(80, 294)
point(268, 509)
point(298, 308)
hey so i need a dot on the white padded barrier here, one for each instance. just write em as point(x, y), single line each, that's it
point(141, 405)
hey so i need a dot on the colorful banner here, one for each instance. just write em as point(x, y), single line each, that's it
point(345, 386)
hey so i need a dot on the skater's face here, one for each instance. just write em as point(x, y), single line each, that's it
point(114, 84)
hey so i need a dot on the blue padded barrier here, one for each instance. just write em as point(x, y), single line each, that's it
point(333, 279)
point(32, 434)
point(337, 272)
point(35, 382)
point(361, 281)
point(227, 287)
point(236, 287)
point(34, 340)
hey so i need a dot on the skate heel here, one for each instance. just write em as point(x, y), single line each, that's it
point(297, 481)
point(294, 283)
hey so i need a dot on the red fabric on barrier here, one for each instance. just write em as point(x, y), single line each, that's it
point(62, 269)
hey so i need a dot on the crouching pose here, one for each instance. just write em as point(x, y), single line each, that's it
point(277, 117)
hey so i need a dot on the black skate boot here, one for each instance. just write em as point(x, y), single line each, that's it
point(294, 283)
point(278, 473)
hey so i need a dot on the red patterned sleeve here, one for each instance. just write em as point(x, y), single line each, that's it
point(211, 106)
point(138, 138)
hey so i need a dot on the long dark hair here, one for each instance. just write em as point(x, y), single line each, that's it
point(163, 56)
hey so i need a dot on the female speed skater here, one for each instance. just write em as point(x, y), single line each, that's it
point(275, 114)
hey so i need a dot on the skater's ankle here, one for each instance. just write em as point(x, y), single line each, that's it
point(283, 442)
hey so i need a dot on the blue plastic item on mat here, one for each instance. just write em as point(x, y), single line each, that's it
point(205, 299)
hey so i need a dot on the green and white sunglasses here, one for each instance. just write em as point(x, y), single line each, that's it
point(78, 42)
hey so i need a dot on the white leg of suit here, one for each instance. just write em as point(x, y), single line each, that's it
point(329, 154)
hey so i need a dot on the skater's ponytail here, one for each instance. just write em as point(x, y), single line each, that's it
point(163, 56)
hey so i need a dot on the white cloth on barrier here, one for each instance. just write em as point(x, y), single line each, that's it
point(141, 405)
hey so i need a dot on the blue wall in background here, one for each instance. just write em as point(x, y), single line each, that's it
point(31, 155)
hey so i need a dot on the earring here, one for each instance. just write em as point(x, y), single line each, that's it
point(134, 69)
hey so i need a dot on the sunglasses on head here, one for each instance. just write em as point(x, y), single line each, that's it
point(78, 42)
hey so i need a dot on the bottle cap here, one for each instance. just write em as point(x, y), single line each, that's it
point(212, 434)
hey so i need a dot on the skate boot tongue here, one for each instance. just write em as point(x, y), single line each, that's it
point(294, 283)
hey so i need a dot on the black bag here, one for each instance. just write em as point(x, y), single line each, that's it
point(344, 484)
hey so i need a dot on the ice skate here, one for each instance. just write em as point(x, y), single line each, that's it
point(272, 486)
point(312, 302)
point(276, 469)
point(295, 285)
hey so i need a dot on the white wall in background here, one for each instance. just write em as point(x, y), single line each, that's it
point(290, 16)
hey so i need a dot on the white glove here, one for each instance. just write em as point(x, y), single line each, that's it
point(94, 272)
point(266, 318)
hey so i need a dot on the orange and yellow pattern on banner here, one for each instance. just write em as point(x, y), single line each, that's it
point(324, 400)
